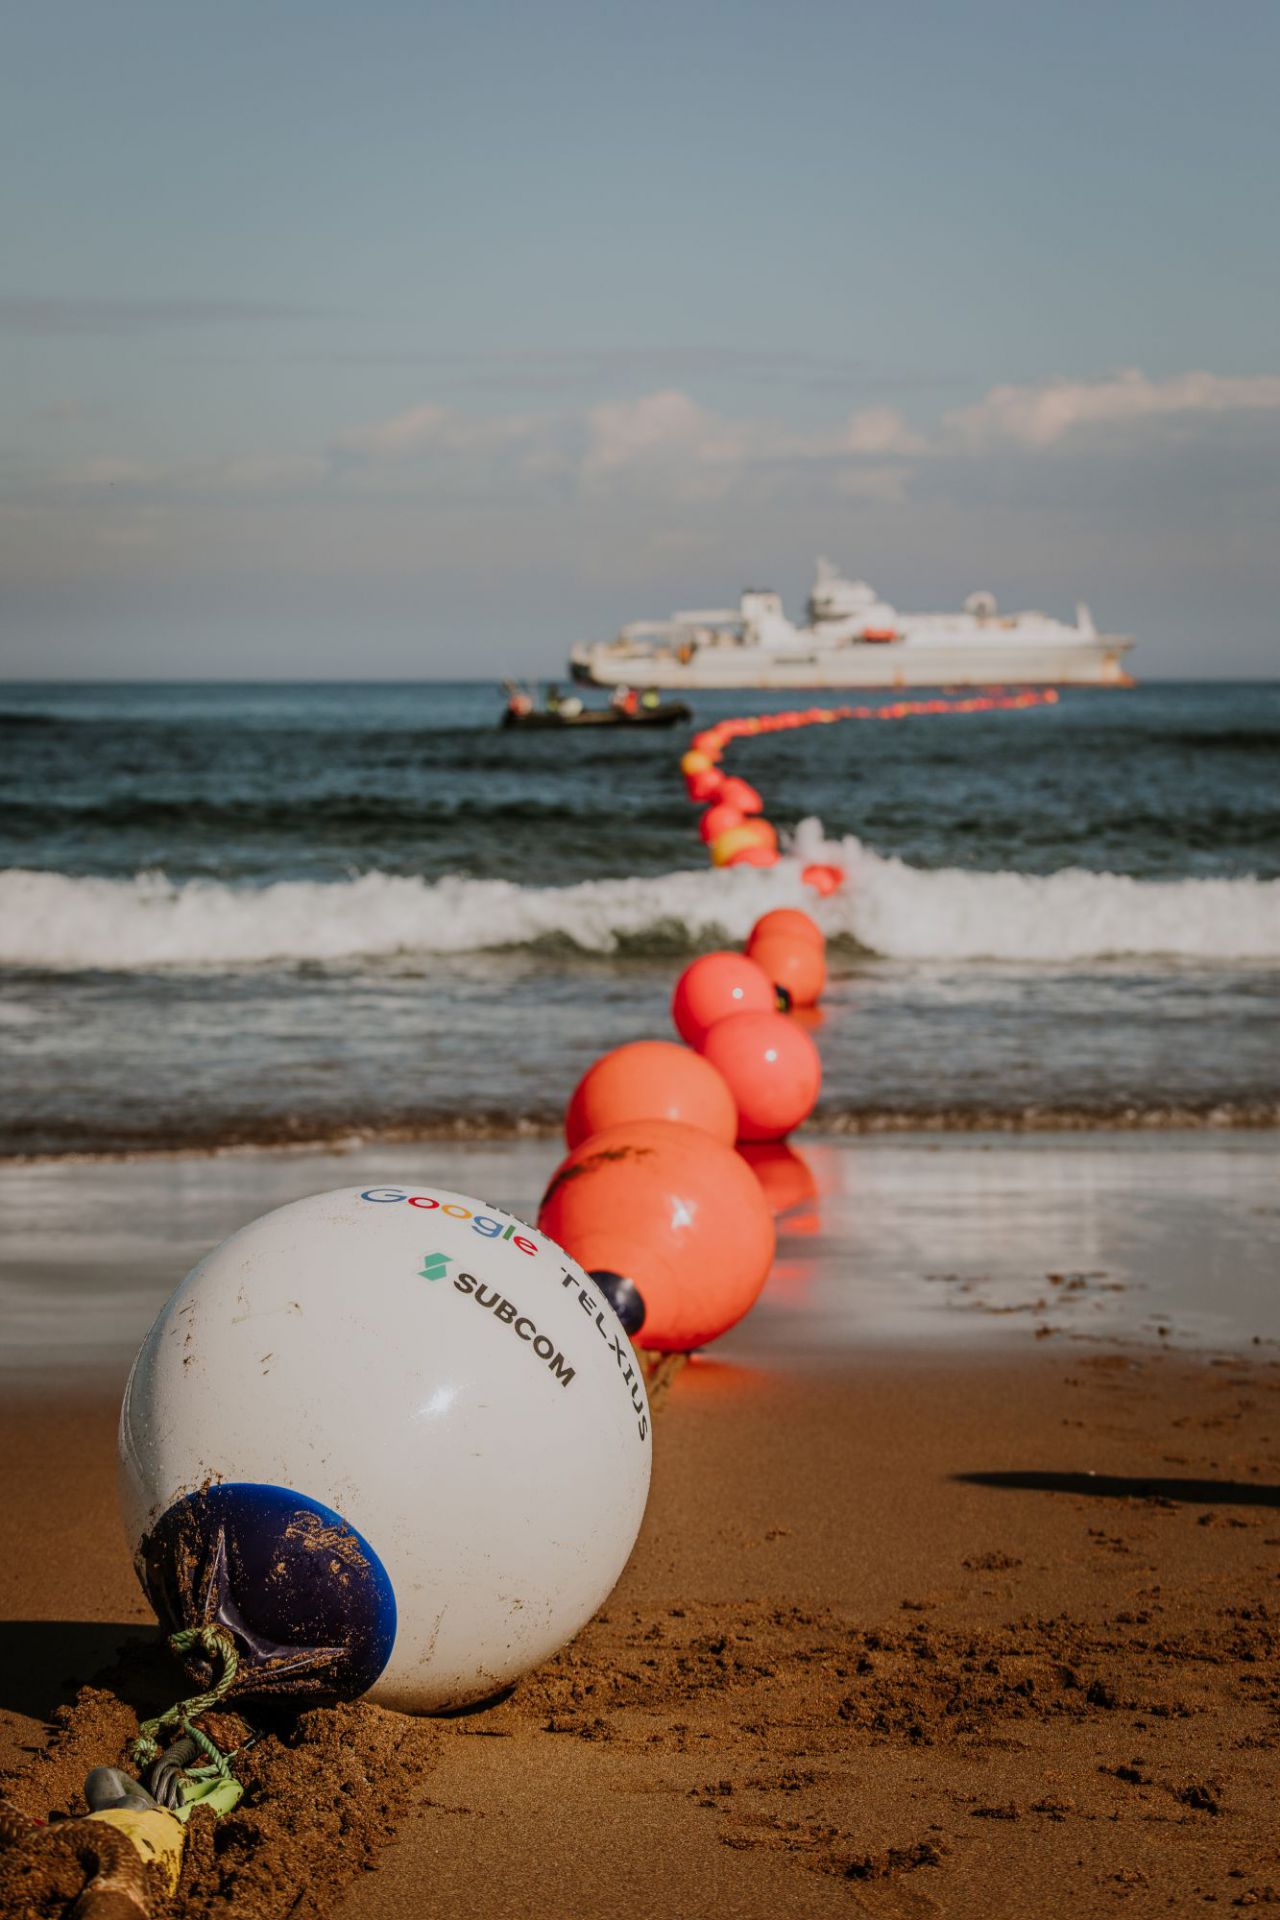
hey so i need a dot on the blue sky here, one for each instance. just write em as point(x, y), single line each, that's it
point(395, 339)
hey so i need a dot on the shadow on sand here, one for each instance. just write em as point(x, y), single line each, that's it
point(43, 1663)
point(1110, 1486)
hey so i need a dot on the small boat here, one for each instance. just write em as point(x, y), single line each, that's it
point(570, 712)
point(668, 715)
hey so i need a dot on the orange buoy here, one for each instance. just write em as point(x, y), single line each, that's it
point(759, 856)
point(822, 879)
point(695, 762)
point(713, 986)
point(674, 1212)
point(718, 819)
point(704, 786)
point(772, 1068)
point(752, 833)
point(810, 1018)
point(796, 965)
point(762, 832)
point(651, 1080)
point(738, 793)
point(790, 921)
point(785, 1175)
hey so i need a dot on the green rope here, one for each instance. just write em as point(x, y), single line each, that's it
point(216, 1758)
point(219, 1645)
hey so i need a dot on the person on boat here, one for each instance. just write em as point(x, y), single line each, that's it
point(625, 699)
point(651, 699)
point(552, 700)
point(519, 703)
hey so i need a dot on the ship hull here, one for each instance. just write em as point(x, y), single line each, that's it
point(1085, 663)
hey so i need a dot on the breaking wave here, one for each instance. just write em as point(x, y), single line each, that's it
point(950, 913)
point(62, 923)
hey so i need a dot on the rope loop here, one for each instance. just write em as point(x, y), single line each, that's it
point(217, 1642)
point(209, 1748)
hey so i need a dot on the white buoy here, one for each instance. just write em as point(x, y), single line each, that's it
point(394, 1438)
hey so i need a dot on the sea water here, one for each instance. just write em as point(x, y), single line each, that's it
point(302, 912)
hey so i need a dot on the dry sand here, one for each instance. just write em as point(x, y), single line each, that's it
point(918, 1636)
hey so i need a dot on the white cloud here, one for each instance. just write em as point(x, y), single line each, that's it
point(433, 429)
point(664, 426)
point(1041, 416)
point(665, 450)
point(881, 430)
point(704, 454)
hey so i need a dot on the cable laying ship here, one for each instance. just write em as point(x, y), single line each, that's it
point(852, 638)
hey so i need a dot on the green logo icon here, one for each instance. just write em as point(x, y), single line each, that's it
point(434, 1266)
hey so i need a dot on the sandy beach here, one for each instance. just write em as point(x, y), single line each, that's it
point(914, 1638)
point(966, 1621)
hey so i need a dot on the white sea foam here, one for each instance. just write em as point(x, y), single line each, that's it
point(52, 920)
point(949, 913)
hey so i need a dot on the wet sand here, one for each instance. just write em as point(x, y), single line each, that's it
point(915, 1635)
point(934, 1240)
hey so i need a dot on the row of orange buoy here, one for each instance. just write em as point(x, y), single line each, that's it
point(676, 1165)
point(658, 1197)
point(733, 826)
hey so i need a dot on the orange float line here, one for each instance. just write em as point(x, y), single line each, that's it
point(700, 764)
